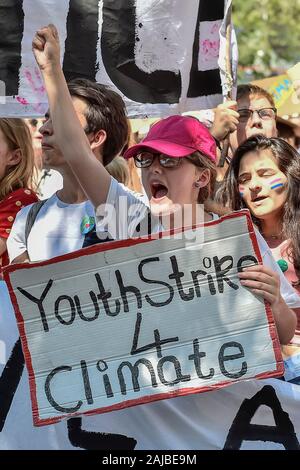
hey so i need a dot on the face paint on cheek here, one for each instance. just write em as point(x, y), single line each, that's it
point(241, 190)
point(276, 183)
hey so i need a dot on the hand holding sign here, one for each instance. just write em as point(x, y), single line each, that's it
point(153, 321)
point(46, 49)
point(264, 282)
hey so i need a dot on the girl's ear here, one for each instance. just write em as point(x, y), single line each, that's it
point(203, 178)
point(14, 158)
point(98, 139)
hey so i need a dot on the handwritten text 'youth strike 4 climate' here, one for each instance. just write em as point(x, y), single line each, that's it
point(216, 273)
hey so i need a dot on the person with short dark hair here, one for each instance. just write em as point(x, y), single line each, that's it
point(177, 159)
point(257, 114)
point(105, 110)
point(66, 221)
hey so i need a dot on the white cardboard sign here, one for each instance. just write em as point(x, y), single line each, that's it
point(130, 322)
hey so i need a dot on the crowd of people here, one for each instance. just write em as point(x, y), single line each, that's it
point(85, 137)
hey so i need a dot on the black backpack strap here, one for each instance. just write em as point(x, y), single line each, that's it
point(31, 216)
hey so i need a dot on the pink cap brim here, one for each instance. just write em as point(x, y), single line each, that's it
point(168, 148)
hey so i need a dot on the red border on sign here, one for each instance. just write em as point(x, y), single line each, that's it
point(124, 244)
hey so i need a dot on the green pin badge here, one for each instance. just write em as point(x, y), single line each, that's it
point(283, 265)
point(87, 224)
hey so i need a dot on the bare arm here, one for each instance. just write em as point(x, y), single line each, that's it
point(23, 258)
point(71, 139)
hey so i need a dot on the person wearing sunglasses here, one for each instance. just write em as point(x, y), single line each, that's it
point(168, 424)
point(178, 161)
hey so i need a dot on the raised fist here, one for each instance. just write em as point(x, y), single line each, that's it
point(46, 49)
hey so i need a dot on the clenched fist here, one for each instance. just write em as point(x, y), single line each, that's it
point(46, 49)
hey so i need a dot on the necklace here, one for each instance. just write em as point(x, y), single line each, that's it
point(273, 237)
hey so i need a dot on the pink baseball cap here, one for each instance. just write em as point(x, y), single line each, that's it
point(177, 136)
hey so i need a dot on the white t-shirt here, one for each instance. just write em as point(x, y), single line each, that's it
point(50, 182)
point(189, 422)
point(129, 211)
point(59, 228)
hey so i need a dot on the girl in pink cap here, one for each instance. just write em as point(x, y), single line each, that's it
point(177, 159)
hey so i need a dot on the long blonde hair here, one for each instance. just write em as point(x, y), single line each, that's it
point(17, 136)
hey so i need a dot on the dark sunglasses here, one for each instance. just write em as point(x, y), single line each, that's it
point(145, 159)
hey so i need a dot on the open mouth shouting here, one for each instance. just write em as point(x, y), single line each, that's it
point(158, 190)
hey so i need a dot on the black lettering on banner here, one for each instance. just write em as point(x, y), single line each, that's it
point(134, 370)
point(9, 381)
point(196, 357)
point(242, 429)
point(177, 275)
point(95, 440)
point(49, 396)
point(211, 285)
point(39, 302)
point(104, 296)
point(117, 48)
point(86, 383)
point(80, 59)
point(12, 29)
point(102, 367)
point(207, 263)
point(243, 259)
point(124, 291)
point(208, 82)
point(157, 341)
point(195, 275)
point(177, 368)
point(151, 281)
point(58, 301)
point(79, 309)
point(220, 272)
point(232, 357)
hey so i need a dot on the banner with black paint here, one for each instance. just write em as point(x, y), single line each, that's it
point(142, 320)
point(164, 57)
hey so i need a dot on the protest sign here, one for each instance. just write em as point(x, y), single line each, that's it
point(285, 97)
point(163, 57)
point(130, 322)
point(259, 414)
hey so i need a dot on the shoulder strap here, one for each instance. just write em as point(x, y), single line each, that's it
point(31, 216)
